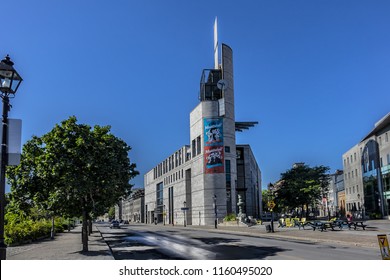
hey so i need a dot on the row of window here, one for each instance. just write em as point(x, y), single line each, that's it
point(353, 206)
point(174, 177)
point(348, 176)
point(174, 161)
point(356, 171)
point(352, 190)
point(354, 157)
point(196, 146)
point(351, 158)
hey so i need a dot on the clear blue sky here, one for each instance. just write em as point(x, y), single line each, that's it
point(315, 74)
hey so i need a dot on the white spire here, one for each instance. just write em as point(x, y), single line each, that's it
point(216, 64)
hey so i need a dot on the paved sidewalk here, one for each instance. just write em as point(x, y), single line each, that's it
point(65, 246)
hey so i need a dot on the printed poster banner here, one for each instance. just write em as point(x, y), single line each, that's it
point(213, 145)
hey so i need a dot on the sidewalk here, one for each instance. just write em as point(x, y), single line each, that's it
point(65, 246)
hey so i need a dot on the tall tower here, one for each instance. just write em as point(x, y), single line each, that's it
point(214, 119)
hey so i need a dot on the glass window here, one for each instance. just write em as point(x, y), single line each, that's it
point(159, 194)
point(193, 148)
point(198, 145)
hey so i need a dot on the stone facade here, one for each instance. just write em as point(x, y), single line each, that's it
point(132, 208)
point(353, 182)
point(198, 183)
point(367, 173)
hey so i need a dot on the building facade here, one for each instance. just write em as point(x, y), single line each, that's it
point(367, 173)
point(201, 182)
point(353, 183)
point(334, 200)
point(132, 208)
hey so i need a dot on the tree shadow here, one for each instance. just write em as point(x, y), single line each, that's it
point(215, 240)
point(147, 254)
point(93, 253)
point(245, 252)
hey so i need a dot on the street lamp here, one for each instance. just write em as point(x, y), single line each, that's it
point(9, 83)
point(215, 212)
point(184, 212)
point(164, 215)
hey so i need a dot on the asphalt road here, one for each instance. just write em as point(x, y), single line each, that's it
point(143, 242)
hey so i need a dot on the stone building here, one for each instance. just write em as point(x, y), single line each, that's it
point(200, 183)
point(367, 173)
point(132, 208)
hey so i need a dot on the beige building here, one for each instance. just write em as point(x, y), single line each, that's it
point(353, 182)
point(367, 173)
point(132, 208)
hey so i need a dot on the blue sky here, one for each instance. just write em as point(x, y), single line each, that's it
point(315, 74)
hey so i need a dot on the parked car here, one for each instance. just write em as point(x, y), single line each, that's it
point(115, 224)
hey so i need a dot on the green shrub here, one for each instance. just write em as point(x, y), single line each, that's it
point(230, 217)
point(21, 229)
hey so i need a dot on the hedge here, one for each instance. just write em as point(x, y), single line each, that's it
point(19, 229)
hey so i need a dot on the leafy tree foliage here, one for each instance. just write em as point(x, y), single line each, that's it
point(73, 170)
point(302, 185)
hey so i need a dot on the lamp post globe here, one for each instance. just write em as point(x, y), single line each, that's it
point(9, 78)
point(9, 83)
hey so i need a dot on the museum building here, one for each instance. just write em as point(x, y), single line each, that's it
point(201, 183)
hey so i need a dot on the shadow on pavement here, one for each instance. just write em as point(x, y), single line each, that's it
point(228, 252)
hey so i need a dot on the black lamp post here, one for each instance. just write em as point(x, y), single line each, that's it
point(184, 213)
point(215, 212)
point(164, 215)
point(9, 84)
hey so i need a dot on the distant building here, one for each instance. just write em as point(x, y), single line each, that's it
point(336, 194)
point(353, 183)
point(132, 208)
point(367, 173)
point(203, 181)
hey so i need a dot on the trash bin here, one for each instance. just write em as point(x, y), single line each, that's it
point(268, 228)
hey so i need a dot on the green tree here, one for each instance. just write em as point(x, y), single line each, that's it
point(111, 213)
point(302, 185)
point(73, 170)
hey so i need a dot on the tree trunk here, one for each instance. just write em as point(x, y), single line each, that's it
point(89, 226)
point(85, 231)
point(52, 228)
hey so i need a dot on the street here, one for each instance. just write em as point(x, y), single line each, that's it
point(139, 241)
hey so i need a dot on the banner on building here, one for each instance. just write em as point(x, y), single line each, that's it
point(213, 145)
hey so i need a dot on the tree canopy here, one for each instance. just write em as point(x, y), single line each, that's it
point(72, 170)
point(302, 185)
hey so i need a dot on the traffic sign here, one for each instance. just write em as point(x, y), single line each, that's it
point(384, 246)
point(185, 208)
point(271, 204)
